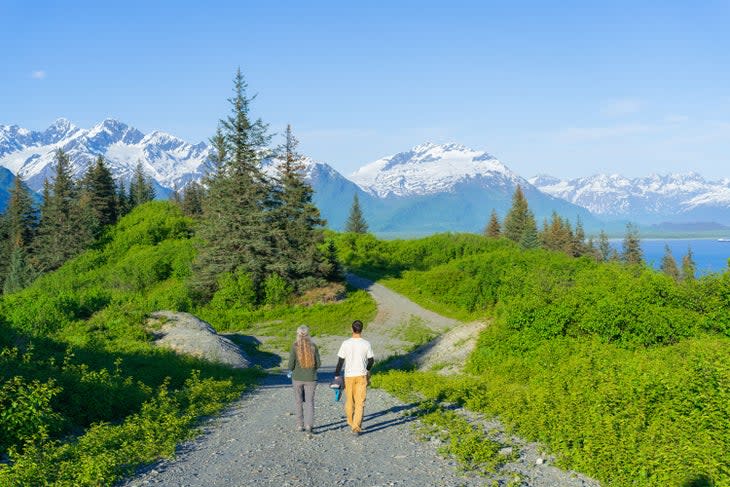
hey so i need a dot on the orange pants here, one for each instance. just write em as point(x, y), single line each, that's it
point(355, 391)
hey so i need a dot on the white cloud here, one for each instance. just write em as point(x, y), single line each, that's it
point(38, 74)
point(621, 107)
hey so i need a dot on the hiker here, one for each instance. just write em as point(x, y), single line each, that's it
point(303, 365)
point(357, 355)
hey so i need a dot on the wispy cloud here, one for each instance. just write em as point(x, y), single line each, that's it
point(621, 107)
point(38, 74)
point(581, 134)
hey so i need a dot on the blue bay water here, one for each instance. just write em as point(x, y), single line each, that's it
point(709, 254)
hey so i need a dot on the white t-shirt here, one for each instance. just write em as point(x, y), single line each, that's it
point(356, 352)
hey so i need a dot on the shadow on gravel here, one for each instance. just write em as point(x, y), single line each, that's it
point(369, 427)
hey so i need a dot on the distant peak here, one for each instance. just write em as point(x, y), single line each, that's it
point(448, 147)
point(62, 124)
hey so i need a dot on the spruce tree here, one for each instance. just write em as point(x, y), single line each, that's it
point(688, 266)
point(579, 246)
point(515, 222)
point(631, 253)
point(141, 189)
point(356, 221)
point(296, 217)
point(669, 265)
point(99, 191)
point(21, 215)
point(605, 251)
point(192, 199)
point(4, 246)
point(529, 238)
point(493, 229)
point(58, 237)
point(18, 229)
point(122, 200)
point(235, 233)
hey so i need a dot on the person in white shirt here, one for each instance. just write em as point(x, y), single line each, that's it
point(357, 356)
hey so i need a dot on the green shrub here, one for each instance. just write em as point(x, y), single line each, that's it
point(26, 415)
point(276, 290)
point(235, 291)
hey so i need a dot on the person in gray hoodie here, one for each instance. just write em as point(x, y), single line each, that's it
point(303, 364)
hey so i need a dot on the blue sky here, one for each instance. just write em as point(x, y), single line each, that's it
point(562, 88)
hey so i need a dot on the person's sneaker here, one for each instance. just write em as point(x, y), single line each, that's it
point(355, 433)
point(308, 431)
point(300, 427)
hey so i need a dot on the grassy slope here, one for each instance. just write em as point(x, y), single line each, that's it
point(620, 372)
point(84, 396)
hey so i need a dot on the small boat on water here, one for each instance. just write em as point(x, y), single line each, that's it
point(723, 239)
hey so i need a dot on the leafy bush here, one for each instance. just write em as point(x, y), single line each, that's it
point(622, 372)
point(235, 291)
point(26, 415)
point(276, 290)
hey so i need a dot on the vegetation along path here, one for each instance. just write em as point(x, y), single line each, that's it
point(254, 442)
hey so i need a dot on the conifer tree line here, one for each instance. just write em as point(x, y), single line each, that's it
point(559, 235)
point(262, 237)
point(72, 215)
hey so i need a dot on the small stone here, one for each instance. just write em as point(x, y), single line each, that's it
point(506, 451)
point(539, 461)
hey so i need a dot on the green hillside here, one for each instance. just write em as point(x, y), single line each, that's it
point(85, 397)
point(622, 372)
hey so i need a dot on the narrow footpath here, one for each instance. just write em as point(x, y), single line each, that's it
point(254, 442)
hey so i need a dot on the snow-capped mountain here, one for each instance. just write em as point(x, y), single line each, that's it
point(430, 169)
point(450, 187)
point(170, 161)
point(673, 197)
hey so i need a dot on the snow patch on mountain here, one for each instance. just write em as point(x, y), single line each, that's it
point(171, 161)
point(429, 169)
point(613, 195)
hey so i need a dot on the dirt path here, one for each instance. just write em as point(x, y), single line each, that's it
point(254, 442)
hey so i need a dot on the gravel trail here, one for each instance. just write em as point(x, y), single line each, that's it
point(254, 441)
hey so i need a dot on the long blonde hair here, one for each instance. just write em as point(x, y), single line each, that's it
point(304, 348)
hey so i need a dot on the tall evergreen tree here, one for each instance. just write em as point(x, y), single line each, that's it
point(529, 239)
point(141, 189)
point(579, 239)
point(192, 199)
point(59, 228)
point(605, 251)
point(493, 230)
point(669, 265)
point(688, 266)
point(22, 216)
point(296, 217)
point(99, 192)
point(356, 221)
point(122, 200)
point(234, 229)
point(19, 226)
point(558, 235)
point(632, 253)
point(516, 220)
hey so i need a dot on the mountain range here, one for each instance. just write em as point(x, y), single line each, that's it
point(429, 188)
point(672, 198)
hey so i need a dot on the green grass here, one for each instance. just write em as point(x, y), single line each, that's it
point(619, 371)
point(414, 331)
point(281, 322)
point(85, 396)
